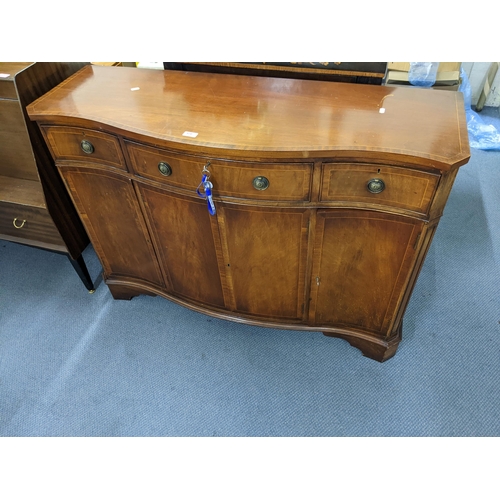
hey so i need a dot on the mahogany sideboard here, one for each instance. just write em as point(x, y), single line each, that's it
point(326, 195)
point(35, 208)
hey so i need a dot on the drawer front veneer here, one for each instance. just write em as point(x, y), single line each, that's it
point(79, 144)
point(390, 186)
point(27, 223)
point(285, 181)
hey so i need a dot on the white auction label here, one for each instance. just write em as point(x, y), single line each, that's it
point(4, 75)
point(190, 134)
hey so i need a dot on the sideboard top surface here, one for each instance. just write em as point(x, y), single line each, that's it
point(269, 116)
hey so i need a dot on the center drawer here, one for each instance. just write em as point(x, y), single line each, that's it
point(235, 179)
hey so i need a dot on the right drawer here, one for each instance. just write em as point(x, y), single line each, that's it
point(379, 184)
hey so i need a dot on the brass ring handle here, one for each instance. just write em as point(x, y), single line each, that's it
point(87, 147)
point(164, 168)
point(261, 183)
point(16, 226)
point(375, 186)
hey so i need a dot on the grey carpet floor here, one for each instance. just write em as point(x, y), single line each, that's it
point(76, 364)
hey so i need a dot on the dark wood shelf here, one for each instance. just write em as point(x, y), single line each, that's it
point(35, 208)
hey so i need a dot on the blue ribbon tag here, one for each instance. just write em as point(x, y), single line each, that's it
point(207, 186)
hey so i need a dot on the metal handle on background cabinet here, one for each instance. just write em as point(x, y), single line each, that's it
point(20, 226)
point(375, 186)
point(261, 183)
point(164, 168)
point(87, 147)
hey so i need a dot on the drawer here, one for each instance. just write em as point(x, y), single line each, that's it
point(391, 186)
point(72, 143)
point(30, 224)
point(235, 179)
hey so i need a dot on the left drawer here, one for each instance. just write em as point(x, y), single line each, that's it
point(80, 144)
point(29, 224)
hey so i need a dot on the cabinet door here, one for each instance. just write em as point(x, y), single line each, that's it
point(266, 255)
point(361, 267)
point(186, 238)
point(110, 211)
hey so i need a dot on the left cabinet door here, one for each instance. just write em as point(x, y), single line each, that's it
point(111, 213)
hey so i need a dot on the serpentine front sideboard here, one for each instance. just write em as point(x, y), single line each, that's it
point(284, 203)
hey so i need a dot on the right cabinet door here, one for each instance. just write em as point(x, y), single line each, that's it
point(361, 267)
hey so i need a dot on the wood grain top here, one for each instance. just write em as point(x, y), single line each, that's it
point(12, 68)
point(268, 116)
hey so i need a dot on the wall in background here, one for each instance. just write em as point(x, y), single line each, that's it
point(476, 72)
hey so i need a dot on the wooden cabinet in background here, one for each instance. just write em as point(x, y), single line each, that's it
point(325, 205)
point(35, 208)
